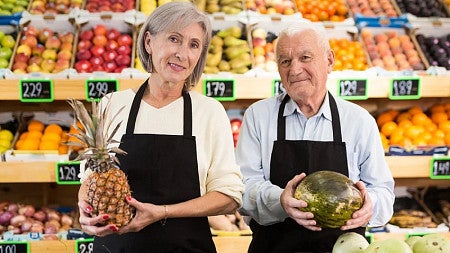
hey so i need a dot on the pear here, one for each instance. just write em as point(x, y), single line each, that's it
point(233, 31)
point(236, 51)
point(212, 60)
point(224, 66)
point(230, 41)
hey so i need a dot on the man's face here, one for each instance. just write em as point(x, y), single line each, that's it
point(303, 65)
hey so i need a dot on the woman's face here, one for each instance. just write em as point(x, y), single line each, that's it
point(175, 53)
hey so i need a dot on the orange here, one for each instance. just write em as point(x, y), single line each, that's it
point(414, 131)
point(384, 117)
point(30, 144)
point(388, 128)
point(445, 126)
point(35, 125)
point(419, 119)
point(51, 136)
point(34, 134)
point(19, 144)
point(447, 139)
point(403, 116)
point(415, 109)
point(48, 145)
point(437, 108)
point(23, 136)
point(396, 137)
point(63, 149)
point(405, 124)
point(54, 128)
point(438, 117)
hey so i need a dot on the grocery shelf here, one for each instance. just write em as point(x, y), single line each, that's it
point(246, 87)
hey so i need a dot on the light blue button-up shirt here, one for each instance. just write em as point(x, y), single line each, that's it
point(365, 154)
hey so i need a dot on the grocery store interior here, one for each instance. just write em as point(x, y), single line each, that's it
point(392, 58)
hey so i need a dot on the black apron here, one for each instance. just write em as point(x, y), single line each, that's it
point(161, 169)
point(292, 157)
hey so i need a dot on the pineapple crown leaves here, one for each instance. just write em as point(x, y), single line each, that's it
point(95, 130)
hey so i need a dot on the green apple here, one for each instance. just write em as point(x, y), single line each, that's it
point(2, 34)
point(5, 52)
point(8, 41)
point(5, 134)
point(3, 63)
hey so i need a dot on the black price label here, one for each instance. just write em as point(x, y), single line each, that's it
point(96, 89)
point(440, 167)
point(14, 247)
point(36, 90)
point(352, 89)
point(67, 172)
point(220, 89)
point(405, 88)
point(277, 87)
point(85, 246)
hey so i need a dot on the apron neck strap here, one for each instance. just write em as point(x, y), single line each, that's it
point(187, 118)
point(335, 121)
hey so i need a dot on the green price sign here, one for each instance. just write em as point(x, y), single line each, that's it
point(440, 167)
point(36, 91)
point(405, 88)
point(277, 87)
point(96, 89)
point(85, 246)
point(220, 89)
point(352, 89)
point(14, 247)
point(67, 173)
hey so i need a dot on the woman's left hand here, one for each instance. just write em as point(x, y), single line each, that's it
point(361, 217)
point(145, 215)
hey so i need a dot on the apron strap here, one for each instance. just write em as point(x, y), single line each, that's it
point(335, 120)
point(187, 119)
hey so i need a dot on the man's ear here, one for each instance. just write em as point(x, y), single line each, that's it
point(331, 60)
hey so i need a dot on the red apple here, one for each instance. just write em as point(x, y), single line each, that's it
point(125, 39)
point(21, 57)
point(111, 45)
point(84, 44)
point(97, 68)
point(83, 66)
point(53, 43)
point(66, 46)
point(100, 29)
point(119, 69)
point(44, 34)
point(125, 50)
point(96, 60)
point(64, 54)
point(19, 65)
point(38, 49)
point(66, 37)
point(112, 34)
point(109, 66)
point(30, 31)
point(29, 40)
point(87, 35)
point(83, 54)
point(123, 60)
point(35, 60)
point(110, 55)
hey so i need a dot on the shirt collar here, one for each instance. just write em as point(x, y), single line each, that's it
point(292, 107)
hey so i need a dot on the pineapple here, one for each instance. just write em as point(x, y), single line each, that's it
point(107, 185)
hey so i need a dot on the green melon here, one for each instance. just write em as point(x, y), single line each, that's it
point(332, 197)
point(350, 242)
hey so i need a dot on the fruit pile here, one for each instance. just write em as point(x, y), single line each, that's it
point(54, 6)
point(420, 8)
point(103, 49)
point(391, 50)
point(323, 10)
point(285, 7)
point(94, 6)
point(147, 6)
point(429, 243)
point(409, 218)
point(348, 54)
point(7, 43)
point(372, 8)
point(436, 49)
point(229, 51)
point(6, 138)
point(43, 50)
point(415, 127)
point(42, 137)
point(226, 6)
point(9, 7)
point(263, 43)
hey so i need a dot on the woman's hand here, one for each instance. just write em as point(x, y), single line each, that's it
point(361, 217)
point(146, 214)
point(94, 225)
point(291, 205)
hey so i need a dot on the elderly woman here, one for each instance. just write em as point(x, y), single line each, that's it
point(180, 159)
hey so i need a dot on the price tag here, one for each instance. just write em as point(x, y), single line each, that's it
point(440, 167)
point(67, 172)
point(85, 246)
point(36, 90)
point(277, 87)
point(352, 89)
point(14, 247)
point(405, 88)
point(220, 89)
point(96, 89)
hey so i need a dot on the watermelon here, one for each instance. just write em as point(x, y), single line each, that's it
point(332, 197)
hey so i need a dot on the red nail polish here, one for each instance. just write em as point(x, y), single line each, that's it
point(113, 228)
point(128, 198)
point(88, 209)
point(105, 217)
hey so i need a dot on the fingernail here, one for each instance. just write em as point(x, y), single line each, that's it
point(88, 209)
point(105, 217)
point(113, 228)
point(128, 198)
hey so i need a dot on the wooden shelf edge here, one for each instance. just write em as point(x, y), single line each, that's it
point(246, 88)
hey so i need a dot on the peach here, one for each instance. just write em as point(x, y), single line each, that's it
point(381, 37)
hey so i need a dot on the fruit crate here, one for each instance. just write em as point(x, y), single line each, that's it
point(29, 61)
point(222, 7)
point(420, 9)
point(433, 40)
point(335, 12)
point(374, 9)
point(90, 7)
point(56, 7)
point(398, 54)
point(105, 48)
point(283, 7)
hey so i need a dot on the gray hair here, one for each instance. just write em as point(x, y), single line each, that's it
point(175, 16)
point(306, 25)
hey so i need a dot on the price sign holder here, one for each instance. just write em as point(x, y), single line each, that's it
point(67, 172)
point(36, 90)
point(97, 88)
point(369, 237)
point(440, 167)
point(408, 235)
point(84, 245)
point(277, 87)
point(14, 247)
point(405, 88)
point(352, 88)
point(220, 89)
